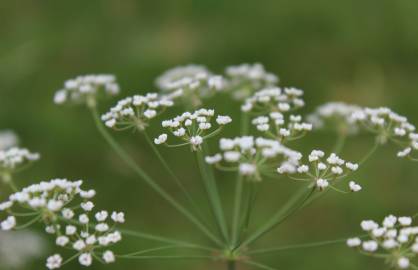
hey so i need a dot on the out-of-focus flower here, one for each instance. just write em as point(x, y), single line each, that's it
point(8, 139)
point(243, 80)
point(86, 89)
point(191, 83)
point(335, 115)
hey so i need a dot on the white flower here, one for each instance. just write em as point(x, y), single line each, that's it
point(196, 140)
point(322, 183)
point(223, 120)
point(14, 157)
point(335, 114)
point(70, 230)
point(390, 244)
point(87, 194)
point(244, 79)
point(370, 246)
point(161, 139)
point(102, 227)
point(86, 88)
point(213, 159)
point(118, 217)
point(390, 221)
point(79, 245)
point(67, 213)
point(54, 261)
point(247, 169)
point(8, 224)
point(108, 257)
point(101, 216)
point(403, 263)
point(136, 111)
point(354, 187)
point(352, 166)
point(8, 139)
point(354, 242)
point(405, 221)
point(85, 259)
point(62, 240)
point(87, 206)
point(83, 219)
point(369, 225)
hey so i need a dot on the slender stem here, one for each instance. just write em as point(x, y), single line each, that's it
point(131, 163)
point(237, 210)
point(370, 153)
point(164, 239)
point(168, 257)
point(296, 246)
point(339, 145)
point(292, 206)
point(137, 253)
point(259, 265)
point(173, 175)
point(231, 265)
point(213, 194)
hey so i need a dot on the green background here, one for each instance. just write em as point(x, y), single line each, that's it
point(363, 52)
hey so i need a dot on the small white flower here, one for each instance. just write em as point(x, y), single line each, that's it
point(83, 219)
point(102, 227)
point(213, 159)
point(403, 263)
point(79, 245)
point(101, 216)
point(70, 230)
point(369, 225)
point(405, 221)
point(322, 183)
point(8, 224)
point(390, 243)
point(67, 213)
point(108, 257)
point(354, 187)
point(88, 194)
point(370, 246)
point(196, 140)
point(354, 242)
point(62, 240)
point(390, 221)
point(85, 259)
point(223, 120)
point(87, 206)
point(247, 169)
point(54, 261)
point(161, 139)
point(351, 166)
point(118, 217)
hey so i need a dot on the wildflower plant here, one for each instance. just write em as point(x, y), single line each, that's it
point(265, 151)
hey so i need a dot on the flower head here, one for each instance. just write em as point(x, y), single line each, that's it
point(8, 139)
point(252, 157)
point(243, 80)
point(275, 126)
point(323, 172)
point(136, 111)
point(191, 82)
point(15, 158)
point(335, 115)
point(274, 99)
point(193, 128)
point(394, 240)
point(65, 210)
point(86, 89)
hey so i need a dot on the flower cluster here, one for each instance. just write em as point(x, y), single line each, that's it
point(14, 158)
point(8, 139)
point(274, 126)
point(192, 82)
point(243, 80)
point(335, 115)
point(192, 128)
point(252, 157)
point(86, 89)
point(322, 173)
point(66, 211)
point(395, 239)
point(274, 99)
point(136, 111)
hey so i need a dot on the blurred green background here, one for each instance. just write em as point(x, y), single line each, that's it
point(363, 52)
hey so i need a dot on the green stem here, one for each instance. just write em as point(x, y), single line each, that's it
point(339, 145)
point(213, 194)
point(237, 210)
point(291, 207)
point(131, 163)
point(173, 175)
point(168, 257)
point(231, 265)
point(259, 265)
point(370, 153)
